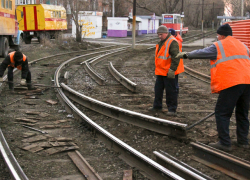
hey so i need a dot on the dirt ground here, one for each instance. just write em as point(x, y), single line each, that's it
point(138, 66)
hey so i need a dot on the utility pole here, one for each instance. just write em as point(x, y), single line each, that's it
point(242, 8)
point(202, 23)
point(134, 25)
point(182, 13)
point(213, 18)
point(113, 8)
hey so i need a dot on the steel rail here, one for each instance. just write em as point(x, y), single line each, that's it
point(199, 36)
point(112, 52)
point(221, 161)
point(120, 78)
point(187, 38)
point(97, 77)
point(149, 122)
point(133, 157)
point(91, 60)
point(197, 75)
point(178, 167)
point(155, 124)
point(14, 168)
point(60, 54)
point(88, 60)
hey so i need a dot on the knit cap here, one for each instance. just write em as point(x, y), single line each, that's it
point(162, 29)
point(225, 30)
point(172, 31)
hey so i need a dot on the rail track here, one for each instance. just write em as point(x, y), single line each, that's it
point(128, 138)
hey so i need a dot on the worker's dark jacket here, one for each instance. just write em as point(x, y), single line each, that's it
point(6, 62)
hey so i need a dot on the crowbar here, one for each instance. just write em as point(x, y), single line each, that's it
point(43, 132)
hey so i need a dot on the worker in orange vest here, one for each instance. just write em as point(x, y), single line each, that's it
point(177, 37)
point(17, 60)
point(230, 77)
point(167, 68)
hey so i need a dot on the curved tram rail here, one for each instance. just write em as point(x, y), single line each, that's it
point(149, 167)
point(13, 166)
point(177, 167)
point(181, 169)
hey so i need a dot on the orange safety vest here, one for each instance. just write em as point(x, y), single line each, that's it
point(179, 40)
point(13, 62)
point(163, 59)
point(232, 66)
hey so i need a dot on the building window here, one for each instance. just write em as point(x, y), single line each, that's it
point(22, 1)
point(6, 4)
point(3, 4)
point(10, 5)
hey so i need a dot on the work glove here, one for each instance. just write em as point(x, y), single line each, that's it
point(1, 79)
point(23, 82)
point(182, 55)
point(171, 74)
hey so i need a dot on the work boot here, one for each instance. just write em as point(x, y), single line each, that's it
point(218, 145)
point(152, 109)
point(11, 86)
point(245, 146)
point(30, 86)
point(169, 113)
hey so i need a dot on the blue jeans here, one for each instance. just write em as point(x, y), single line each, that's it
point(237, 96)
point(172, 90)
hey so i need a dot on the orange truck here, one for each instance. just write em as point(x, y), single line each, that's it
point(9, 33)
point(41, 21)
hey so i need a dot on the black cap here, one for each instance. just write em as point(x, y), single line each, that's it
point(225, 30)
point(172, 31)
point(17, 56)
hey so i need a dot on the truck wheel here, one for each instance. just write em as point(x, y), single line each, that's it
point(27, 40)
point(41, 37)
point(5, 47)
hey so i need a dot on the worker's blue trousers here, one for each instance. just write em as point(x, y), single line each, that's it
point(172, 90)
point(237, 96)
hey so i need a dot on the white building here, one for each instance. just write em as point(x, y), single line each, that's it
point(150, 24)
point(117, 26)
point(91, 22)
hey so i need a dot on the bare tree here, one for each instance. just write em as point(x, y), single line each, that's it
point(234, 6)
point(157, 6)
point(247, 7)
point(76, 6)
point(192, 9)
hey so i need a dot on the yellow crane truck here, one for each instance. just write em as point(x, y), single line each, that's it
point(41, 21)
